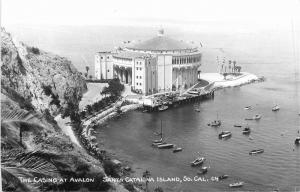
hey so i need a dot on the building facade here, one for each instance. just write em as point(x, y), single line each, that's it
point(156, 65)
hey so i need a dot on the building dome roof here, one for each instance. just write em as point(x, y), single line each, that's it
point(161, 43)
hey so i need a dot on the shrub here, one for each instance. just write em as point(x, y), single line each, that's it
point(33, 50)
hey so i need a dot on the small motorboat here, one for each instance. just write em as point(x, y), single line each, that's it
point(238, 184)
point(165, 146)
point(223, 177)
point(178, 149)
point(224, 134)
point(246, 130)
point(198, 161)
point(275, 108)
point(256, 151)
point(163, 107)
point(157, 144)
point(197, 110)
point(158, 140)
point(215, 123)
point(236, 125)
point(248, 107)
point(202, 171)
point(297, 141)
point(257, 117)
point(145, 111)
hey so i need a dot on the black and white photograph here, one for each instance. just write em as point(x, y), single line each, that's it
point(150, 95)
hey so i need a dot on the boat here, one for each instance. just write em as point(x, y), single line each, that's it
point(248, 107)
point(215, 123)
point(236, 125)
point(256, 151)
point(159, 134)
point(238, 184)
point(246, 130)
point(256, 117)
point(178, 149)
point(197, 110)
point(165, 146)
point(163, 107)
point(158, 140)
point(223, 177)
point(297, 141)
point(203, 171)
point(157, 144)
point(198, 161)
point(275, 108)
point(145, 111)
point(224, 134)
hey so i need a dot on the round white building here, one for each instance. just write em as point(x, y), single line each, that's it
point(156, 65)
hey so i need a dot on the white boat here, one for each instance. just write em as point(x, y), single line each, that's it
point(159, 134)
point(257, 117)
point(297, 141)
point(165, 146)
point(203, 171)
point(163, 107)
point(178, 149)
point(246, 130)
point(275, 108)
point(198, 161)
point(224, 134)
point(238, 184)
point(256, 151)
point(248, 107)
point(215, 123)
point(197, 110)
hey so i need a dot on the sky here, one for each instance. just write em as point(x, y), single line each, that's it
point(204, 15)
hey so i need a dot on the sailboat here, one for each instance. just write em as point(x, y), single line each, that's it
point(215, 123)
point(159, 141)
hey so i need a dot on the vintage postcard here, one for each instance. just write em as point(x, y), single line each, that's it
point(150, 95)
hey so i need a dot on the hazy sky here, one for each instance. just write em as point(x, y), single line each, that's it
point(206, 15)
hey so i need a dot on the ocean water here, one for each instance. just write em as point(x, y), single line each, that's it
point(270, 54)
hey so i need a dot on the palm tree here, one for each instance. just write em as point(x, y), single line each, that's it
point(16, 161)
point(87, 68)
point(234, 64)
point(229, 65)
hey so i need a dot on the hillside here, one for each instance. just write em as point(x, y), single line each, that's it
point(34, 77)
point(35, 86)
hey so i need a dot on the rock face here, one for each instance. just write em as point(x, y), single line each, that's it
point(38, 79)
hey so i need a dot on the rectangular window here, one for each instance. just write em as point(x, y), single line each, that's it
point(137, 77)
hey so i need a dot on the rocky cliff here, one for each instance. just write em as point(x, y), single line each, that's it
point(34, 83)
point(38, 79)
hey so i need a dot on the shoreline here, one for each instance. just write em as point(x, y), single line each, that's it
point(89, 140)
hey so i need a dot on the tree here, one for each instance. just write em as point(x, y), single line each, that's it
point(87, 68)
point(234, 64)
point(90, 76)
point(115, 88)
point(104, 91)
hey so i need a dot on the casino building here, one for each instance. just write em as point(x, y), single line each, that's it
point(156, 65)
